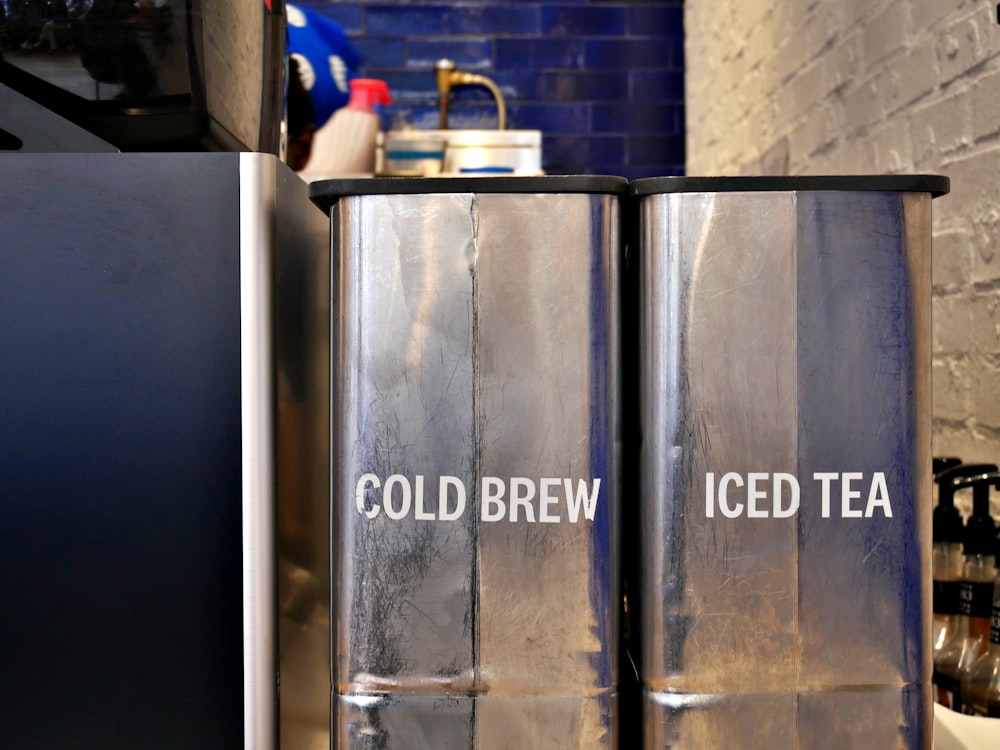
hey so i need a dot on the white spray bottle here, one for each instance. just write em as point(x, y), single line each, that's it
point(346, 144)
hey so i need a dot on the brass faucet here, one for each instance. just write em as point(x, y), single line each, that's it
point(448, 77)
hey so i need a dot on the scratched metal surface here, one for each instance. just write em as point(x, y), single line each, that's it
point(785, 332)
point(476, 340)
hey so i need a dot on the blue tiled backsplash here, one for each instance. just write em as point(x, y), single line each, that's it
point(602, 80)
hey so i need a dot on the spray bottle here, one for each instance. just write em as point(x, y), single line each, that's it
point(975, 593)
point(346, 144)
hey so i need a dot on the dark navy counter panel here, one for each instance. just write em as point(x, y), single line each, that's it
point(120, 504)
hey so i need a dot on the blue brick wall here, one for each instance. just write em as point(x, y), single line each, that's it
point(602, 79)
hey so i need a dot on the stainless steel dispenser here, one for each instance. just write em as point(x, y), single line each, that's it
point(785, 339)
point(475, 452)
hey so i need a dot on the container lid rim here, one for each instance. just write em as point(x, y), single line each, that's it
point(325, 193)
point(936, 185)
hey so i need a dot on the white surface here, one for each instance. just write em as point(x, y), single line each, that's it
point(954, 731)
point(517, 150)
point(344, 145)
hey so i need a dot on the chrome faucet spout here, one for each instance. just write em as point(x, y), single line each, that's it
point(448, 77)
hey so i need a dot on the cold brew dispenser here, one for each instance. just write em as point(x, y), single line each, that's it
point(476, 442)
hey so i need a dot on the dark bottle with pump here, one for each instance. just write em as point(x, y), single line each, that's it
point(948, 560)
point(981, 684)
point(975, 592)
point(946, 567)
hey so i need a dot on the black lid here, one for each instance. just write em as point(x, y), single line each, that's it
point(948, 526)
point(920, 183)
point(324, 193)
point(980, 529)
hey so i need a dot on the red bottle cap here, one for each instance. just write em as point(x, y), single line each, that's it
point(367, 92)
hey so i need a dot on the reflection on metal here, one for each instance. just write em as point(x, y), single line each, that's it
point(301, 327)
point(448, 77)
point(785, 337)
point(475, 373)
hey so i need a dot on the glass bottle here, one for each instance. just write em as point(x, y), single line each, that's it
point(981, 685)
point(947, 557)
point(975, 594)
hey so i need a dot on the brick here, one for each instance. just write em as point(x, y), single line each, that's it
point(985, 100)
point(805, 88)
point(984, 385)
point(986, 327)
point(884, 34)
point(842, 63)
point(952, 439)
point(823, 26)
point(552, 119)
point(655, 86)
point(952, 325)
point(387, 51)
point(652, 118)
point(759, 54)
point(585, 21)
point(985, 236)
point(964, 44)
point(951, 260)
point(627, 53)
point(925, 14)
point(828, 161)
point(654, 18)
point(973, 186)
point(567, 150)
point(572, 85)
point(857, 12)
point(657, 149)
point(973, 203)
point(391, 20)
point(493, 19)
point(909, 77)
point(787, 18)
point(888, 147)
point(849, 158)
point(468, 54)
point(812, 134)
point(950, 388)
point(943, 127)
point(863, 104)
point(536, 52)
point(349, 16)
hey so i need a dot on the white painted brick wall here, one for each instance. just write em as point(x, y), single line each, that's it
point(862, 86)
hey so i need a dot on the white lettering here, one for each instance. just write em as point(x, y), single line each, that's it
point(727, 479)
point(492, 492)
point(404, 506)
point(754, 493)
point(522, 492)
point(589, 501)
point(786, 495)
point(359, 495)
point(443, 513)
point(546, 500)
point(418, 491)
point(825, 477)
point(793, 501)
point(710, 494)
point(847, 493)
point(878, 496)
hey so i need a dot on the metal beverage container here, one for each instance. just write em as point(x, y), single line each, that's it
point(475, 449)
point(786, 489)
